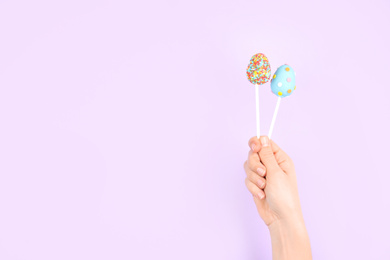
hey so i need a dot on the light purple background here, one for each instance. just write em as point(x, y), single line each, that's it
point(124, 126)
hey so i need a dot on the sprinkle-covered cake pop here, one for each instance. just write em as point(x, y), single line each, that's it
point(283, 81)
point(259, 70)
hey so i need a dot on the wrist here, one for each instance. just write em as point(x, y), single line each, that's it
point(290, 239)
point(292, 222)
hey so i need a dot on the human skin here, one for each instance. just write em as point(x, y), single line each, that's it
point(271, 179)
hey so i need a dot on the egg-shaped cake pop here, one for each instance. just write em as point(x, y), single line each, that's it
point(283, 81)
point(259, 70)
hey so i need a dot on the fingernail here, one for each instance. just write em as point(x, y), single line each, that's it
point(261, 196)
point(261, 184)
point(260, 171)
point(253, 147)
point(264, 141)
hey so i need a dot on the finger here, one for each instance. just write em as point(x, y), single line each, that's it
point(267, 156)
point(261, 205)
point(256, 191)
point(254, 144)
point(259, 170)
point(255, 165)
point(260, 182)
point(255, 178)
point(281, 157)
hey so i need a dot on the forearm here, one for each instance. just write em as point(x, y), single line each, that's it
point(290, 240)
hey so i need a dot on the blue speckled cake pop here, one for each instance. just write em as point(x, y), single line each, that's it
point(283, 81)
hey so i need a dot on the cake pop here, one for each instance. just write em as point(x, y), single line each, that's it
point(282, 85)
point(258, 72)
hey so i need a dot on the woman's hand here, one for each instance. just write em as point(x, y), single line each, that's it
point(272, 181)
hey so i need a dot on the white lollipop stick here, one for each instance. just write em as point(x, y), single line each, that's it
point(257, 110)
point(271, 128)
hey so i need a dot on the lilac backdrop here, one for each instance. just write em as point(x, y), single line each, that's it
point(124, 126)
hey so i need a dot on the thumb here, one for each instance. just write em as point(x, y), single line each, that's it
point(284, 161)
point(267, 156)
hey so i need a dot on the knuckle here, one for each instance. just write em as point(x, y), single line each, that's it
point(252, 177)
point(250, 186)
point(251, 141)
point(250, 163)
point(247, 167)
point(266, 153)
point(287, 163)
point(254, 161)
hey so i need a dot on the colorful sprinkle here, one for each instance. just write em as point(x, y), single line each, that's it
point(295, 87)
point(259, 70)
point(274, 76)
point(288, 79)
point(289, 91)
point(287, 69)
point(280, 84)
point(280, 93)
